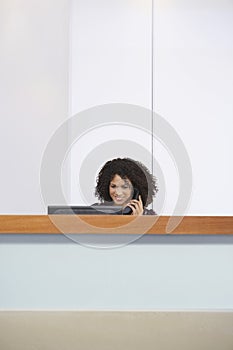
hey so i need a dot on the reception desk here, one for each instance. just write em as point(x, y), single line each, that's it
point(154, 295)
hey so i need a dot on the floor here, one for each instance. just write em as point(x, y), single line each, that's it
point(94, 330)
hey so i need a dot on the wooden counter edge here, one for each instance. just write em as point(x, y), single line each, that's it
point(108, 224)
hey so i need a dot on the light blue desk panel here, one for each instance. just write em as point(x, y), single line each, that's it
point(154, 273)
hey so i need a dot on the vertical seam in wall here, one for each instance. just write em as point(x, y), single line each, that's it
point(70, 46)
point(152, 89)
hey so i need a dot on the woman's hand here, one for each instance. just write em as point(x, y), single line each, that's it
point(136, 206)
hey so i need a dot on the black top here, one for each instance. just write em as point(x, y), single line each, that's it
point(149, 212)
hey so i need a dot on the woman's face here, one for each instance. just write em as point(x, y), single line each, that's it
point(120, 190)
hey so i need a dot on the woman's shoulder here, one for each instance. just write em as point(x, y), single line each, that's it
point(149, 212)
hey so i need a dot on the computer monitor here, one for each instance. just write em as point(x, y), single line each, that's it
point(84, 210)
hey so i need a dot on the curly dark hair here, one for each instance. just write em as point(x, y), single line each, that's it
point(126, 168)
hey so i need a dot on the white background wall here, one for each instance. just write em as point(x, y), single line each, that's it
point(34, 95)
point(193, 87)
point(193, 68)
point(111, 62)
point(194, 92)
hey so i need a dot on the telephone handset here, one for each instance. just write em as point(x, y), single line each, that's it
point(127, 210)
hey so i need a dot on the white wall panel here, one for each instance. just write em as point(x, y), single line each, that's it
point(194, 93)
point(111, 58)
point(34, 95)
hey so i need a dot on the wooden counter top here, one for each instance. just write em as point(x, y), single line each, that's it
point(108, 224)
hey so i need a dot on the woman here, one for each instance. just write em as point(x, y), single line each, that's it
point(120, 180)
